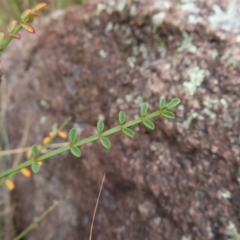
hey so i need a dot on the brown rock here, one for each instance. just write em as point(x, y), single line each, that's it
point(98, 59)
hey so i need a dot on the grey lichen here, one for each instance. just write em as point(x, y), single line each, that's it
point(228, 57)
point(192, 19)
point(129, 97)
point(196, 76)
point(161, 4)
point(158, 18)
point(191, 116)
point(138, 100)
point(224, 194)
point(131, 61)
point(185, 238)
point(187, 44)
point(232, 232)
point(109, 27)
point(102, 53)
point(190, 7)
point(229, 20)
point(214, 53)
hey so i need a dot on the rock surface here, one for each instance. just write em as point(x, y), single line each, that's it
point(180, 181)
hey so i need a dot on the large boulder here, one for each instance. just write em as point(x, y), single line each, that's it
point(180, 181)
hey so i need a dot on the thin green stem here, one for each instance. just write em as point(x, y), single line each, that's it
point(81, 142)
point(36, 221)
point(9, 39)
point(43, 147)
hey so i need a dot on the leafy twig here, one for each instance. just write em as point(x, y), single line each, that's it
point(74, 145)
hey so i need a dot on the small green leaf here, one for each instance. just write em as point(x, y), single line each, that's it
point(100, 126)
point(35, 150)
point(105, 142)
point(162, 103)
point(72, 135)
point(128, 132)
point(76, 151)
point(168, 114)
point(35, 167)
point(121, 117)
point(149, 124)
point(144, 108)
point(173, 103)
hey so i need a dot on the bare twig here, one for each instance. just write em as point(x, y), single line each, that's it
point(95, 210)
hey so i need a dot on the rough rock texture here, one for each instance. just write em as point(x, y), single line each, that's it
point(180, 181)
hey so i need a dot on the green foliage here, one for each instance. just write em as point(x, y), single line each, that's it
point(102, 136)
point(128, 132)
point(173, 103)
point(100, 126)
point(105, 142)
point(143, 109)
point(13, 8)
point(35, 167)
point(14, 27)
point(72, 136)
point(149, 124)
point(35, 150)
point(168, 114)
point(121, 117)
point(76, 151)
point(162, 103)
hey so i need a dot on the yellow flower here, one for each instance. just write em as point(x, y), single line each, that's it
point(51, 134)
point(10, 184)
point(62, 134)
point(46, 140)
point(26, 172)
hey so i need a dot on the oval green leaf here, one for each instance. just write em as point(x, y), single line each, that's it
point(173, 103)
point(149, 124)
point(76, 151)
point(72, 135)
point(128, 132)
point(144, 108)
point(162, 103)
point(121, 117)
point(35, 167)
point(35, 150)
point(100, 126)
point(105, 142)
point(168, 114)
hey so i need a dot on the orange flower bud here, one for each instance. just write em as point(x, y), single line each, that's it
point(10, 184)
point(29, 153)
point(46, 140)
point(62, 134)
point(51, 134)
point(26, 172)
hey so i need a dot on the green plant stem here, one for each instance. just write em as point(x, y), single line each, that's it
point(9, 39)
point(43, 147)
point(37, 220)
point(80, 143)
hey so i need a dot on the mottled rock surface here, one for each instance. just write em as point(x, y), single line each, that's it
point(180, 181)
